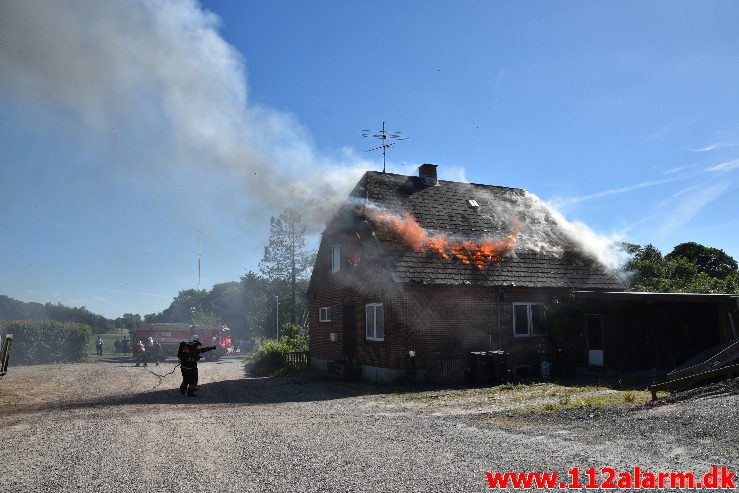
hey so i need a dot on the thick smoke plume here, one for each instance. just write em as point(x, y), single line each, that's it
point(154, 89)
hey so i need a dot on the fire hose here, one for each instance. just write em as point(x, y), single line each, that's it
point(161, 377)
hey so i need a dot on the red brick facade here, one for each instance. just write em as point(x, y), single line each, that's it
point(438, 322)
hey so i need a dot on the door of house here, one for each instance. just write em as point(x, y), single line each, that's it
point(594, 338)
point(349, 333)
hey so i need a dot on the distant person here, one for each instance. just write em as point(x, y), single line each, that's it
point(149, 353)
point(117, 346)
point(154, 351)
point(139, 352)
point(189, 354)
point(99, 346)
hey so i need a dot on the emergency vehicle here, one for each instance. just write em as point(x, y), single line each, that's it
point(170, 335)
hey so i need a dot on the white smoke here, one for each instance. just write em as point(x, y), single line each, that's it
point(604, 248)
point(154, 88)
point(546, 231)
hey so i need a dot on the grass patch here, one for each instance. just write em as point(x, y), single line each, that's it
point(108, 342)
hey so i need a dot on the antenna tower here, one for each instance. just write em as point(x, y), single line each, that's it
point(384, 136)
point(200, 254)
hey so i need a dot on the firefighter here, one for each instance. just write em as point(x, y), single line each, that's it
point(139, 352)
point(189, 354)
point(153, 351)
point(159, 352)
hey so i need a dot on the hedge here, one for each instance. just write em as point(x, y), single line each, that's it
point(36, 342)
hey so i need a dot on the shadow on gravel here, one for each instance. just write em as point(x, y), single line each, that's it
point(243, 391)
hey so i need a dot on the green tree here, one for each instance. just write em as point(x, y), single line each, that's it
point(712, 261)
point(285, 256)
point(183, 307)
point(689, 268)
point(128, 321)
point(206, 318)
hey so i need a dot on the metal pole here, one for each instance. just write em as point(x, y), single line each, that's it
point(277, 318)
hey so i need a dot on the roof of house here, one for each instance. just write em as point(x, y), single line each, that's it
point(714, 298)
point(544, 255)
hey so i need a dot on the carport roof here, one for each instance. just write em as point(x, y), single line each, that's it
point(663, 297)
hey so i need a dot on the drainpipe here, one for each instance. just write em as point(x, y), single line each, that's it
point(500, 295)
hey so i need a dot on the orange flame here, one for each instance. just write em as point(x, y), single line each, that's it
point(405, 227)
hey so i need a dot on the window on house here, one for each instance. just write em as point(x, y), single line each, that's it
point(324, 314)
point(336, 258)
point(529, 319)
point(375, 321)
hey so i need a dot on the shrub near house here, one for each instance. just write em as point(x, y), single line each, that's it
point(270, 354)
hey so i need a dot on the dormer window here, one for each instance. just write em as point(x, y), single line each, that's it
point(336, 258)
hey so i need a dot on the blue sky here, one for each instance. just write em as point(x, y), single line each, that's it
point(128, 128)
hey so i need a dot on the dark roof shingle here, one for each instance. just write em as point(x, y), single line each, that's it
point(544, 256)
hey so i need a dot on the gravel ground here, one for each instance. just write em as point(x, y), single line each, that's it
point(103, 427)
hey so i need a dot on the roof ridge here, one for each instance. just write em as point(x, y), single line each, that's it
point(381, 173)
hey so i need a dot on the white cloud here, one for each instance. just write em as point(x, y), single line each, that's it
point(727, 166)
point(692, 204)
point(564, 202)
point(716, 146)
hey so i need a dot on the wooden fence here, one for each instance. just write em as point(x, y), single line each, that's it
point(297, 361)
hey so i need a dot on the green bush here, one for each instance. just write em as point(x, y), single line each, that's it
point(270, 354)
point(37, 342)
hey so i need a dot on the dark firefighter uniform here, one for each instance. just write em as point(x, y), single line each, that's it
point(189, 354)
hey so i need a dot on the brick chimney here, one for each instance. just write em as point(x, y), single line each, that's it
point(427, 172)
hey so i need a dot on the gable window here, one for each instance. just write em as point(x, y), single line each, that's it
point(529, 319)
point(324, 314)
point(375, 321)
point(336, 258)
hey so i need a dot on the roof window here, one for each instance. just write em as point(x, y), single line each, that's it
point(473, 203)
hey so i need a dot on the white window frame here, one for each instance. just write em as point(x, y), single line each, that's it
point(529, 319)
point(335, 257)
point(322, 312)
point(373, 336)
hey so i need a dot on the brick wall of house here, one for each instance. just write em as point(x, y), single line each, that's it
point(437, 322)
point(362, 279)
point(447, 322)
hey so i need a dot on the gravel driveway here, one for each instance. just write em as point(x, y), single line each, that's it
point(102, 427)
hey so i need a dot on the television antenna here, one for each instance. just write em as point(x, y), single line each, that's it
point(200, 254)
point(384, 136)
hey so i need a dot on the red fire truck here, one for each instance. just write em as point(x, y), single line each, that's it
point(170, 336)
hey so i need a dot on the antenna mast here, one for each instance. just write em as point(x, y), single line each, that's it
point(384, 136)
point(200, 254)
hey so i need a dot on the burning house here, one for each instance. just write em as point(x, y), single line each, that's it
point(418, 271)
